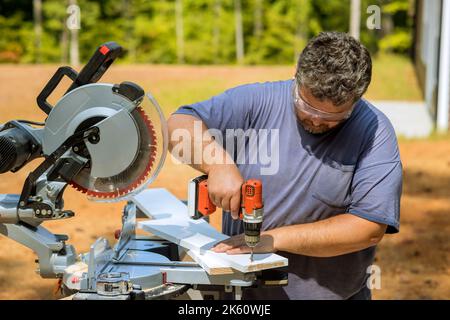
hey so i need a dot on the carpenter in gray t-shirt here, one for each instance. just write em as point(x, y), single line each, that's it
point(354, 168)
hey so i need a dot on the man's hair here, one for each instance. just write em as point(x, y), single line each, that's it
point(336, 67)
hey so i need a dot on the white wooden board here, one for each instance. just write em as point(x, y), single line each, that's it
point(210, 264)
point(170, 221)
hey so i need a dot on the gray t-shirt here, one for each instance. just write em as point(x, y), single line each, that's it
point(354, 168)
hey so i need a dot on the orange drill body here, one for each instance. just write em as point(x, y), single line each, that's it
point(251, 211)
point(205, 205)
point(199, 204)
point(252, 196)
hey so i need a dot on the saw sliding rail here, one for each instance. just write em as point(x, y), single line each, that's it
point(151, 265)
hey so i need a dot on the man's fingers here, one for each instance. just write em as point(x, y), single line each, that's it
point(227, 244)
point(222, 247)
point(225, 203)
point(235, 205)
point(215, 200)
point(239, 250)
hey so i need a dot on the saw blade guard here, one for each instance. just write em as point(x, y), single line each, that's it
point(152, 145)
point(131, 145)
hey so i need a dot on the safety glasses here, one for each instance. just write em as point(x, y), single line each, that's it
point(303, 106)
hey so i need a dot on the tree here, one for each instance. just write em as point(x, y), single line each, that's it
point(302, 8)
point(74, 25)
point(179, 30)
point(191, 31)
point(258, 23)
point(239, 32)
point(216, 30)
point(128, 18)
point(37, 15)
point(355, 18)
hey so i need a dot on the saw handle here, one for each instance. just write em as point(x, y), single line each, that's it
point(103, 57)
point(51, 86)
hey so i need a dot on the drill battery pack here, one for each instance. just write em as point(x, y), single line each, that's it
point(199, 203)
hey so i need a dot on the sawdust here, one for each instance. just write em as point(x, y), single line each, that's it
point(414, 263)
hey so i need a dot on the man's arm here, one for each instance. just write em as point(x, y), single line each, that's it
point(224, 179)
point(338, 235)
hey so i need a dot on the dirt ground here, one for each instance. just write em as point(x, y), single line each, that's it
point(414, 263)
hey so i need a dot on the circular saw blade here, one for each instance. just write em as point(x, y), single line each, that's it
point(132, 177)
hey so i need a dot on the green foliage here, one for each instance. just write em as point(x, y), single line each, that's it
point(147, 29)
point(399, 41)
point(11, 43)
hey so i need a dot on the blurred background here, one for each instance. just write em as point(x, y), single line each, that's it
point(183, 51)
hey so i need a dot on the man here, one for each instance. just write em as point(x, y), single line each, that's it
point(338, 187)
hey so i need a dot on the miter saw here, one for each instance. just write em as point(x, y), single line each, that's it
point(108, 141)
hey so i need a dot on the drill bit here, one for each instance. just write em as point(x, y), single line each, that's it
point(251, 255)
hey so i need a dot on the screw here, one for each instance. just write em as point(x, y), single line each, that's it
point(75, 149)
point(22, 203)
point(44, 212)
point(93, 138)
point(38, 211)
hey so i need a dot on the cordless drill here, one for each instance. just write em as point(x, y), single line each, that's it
point(251, 211)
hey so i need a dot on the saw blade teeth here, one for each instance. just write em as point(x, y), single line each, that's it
point(150, 152)
point(77, 187)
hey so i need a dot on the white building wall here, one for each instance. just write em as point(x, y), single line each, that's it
point(444, 70)
point(430, 47)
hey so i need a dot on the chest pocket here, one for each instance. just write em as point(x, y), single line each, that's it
point(331, 185)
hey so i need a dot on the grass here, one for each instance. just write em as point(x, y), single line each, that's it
point(393, 78)
point(433, 137)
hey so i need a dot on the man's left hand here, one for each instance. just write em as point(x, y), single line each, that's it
point(237, 245)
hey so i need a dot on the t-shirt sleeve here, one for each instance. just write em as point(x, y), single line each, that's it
point(231, 109)
point(377, 182)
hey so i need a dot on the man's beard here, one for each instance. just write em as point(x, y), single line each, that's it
point(309, 127)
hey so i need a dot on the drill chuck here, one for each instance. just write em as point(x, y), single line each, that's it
point(252, 211)
point(252, 233)
point(252, 226)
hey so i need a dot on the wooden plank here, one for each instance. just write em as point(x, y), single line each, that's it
point(209, 264)
point(220, 263)
point(159, 203)
point(171, 222)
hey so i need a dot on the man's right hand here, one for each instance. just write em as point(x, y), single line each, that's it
point(224, 179)
point(224, 187)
